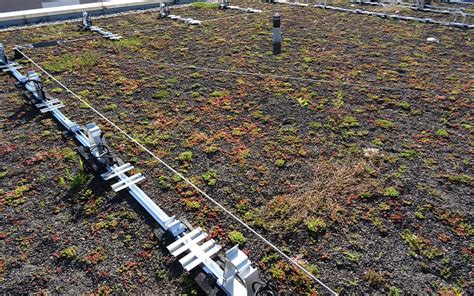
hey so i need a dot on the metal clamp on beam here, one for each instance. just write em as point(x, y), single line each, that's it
point(174, 226)
point(3, 56)
point(97, 145)
point(87, 26)
point(73, 127)
point(49, 105)
point(187, 20)
point(197, 253)
point(116, 170)
point(164, 10)
point(127, 182)
point(238, 266)
point(34, 84)
point(86, 21)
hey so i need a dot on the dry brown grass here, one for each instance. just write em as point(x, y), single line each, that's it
point(334, 182)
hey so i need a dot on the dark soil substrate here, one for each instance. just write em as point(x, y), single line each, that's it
point(367, 83)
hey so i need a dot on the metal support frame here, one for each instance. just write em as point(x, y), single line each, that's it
point(237, 277)
point(164, 10)
point(87, 26)
point(225, 4)
point(291, 3)
point(237, 264)
point(248, 9)
point(394, 16)
point(196, 254)
point(86, 21)
point(187, 20)
point(420, 5)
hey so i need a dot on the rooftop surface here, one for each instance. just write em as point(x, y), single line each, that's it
point(351, 150)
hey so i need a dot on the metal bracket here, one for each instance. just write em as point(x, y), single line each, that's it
point(10, 67)
point(248, 9)
point(87, 26)
point(187, 20)
point(86, 21)
point(164, 10)
point(3, 56)
point(224, 4)
point(175, 227)
point(97, 144)
point(34, 84)
point(73, 127)
point(49, 105)
point(237, 264)
point(127, 182)
point(197, 253)
point(105, 34)
point(116, 170)
point(94, 133)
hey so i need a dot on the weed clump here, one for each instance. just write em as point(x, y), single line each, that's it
point(420, 246)
point(68, 253)
point(186, 156)
point(210, 177)
point(373, 277)
point(405, 105)
point(161, 94)
point(442, 133)
point(129, 43)
point(76, 180)
point(237, 237)
point(316, 225)
point(280, 163)
point(391, 192)
point(383, 123)
point(350, 121)
point(17, 197)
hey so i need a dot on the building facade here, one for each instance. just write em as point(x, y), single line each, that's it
point(15, 5)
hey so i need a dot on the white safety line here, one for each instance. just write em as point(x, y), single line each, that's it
point(292, 261)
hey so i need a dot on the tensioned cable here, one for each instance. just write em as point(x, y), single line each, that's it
point(294, 262)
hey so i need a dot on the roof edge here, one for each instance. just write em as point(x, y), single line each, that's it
point(34, 16)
